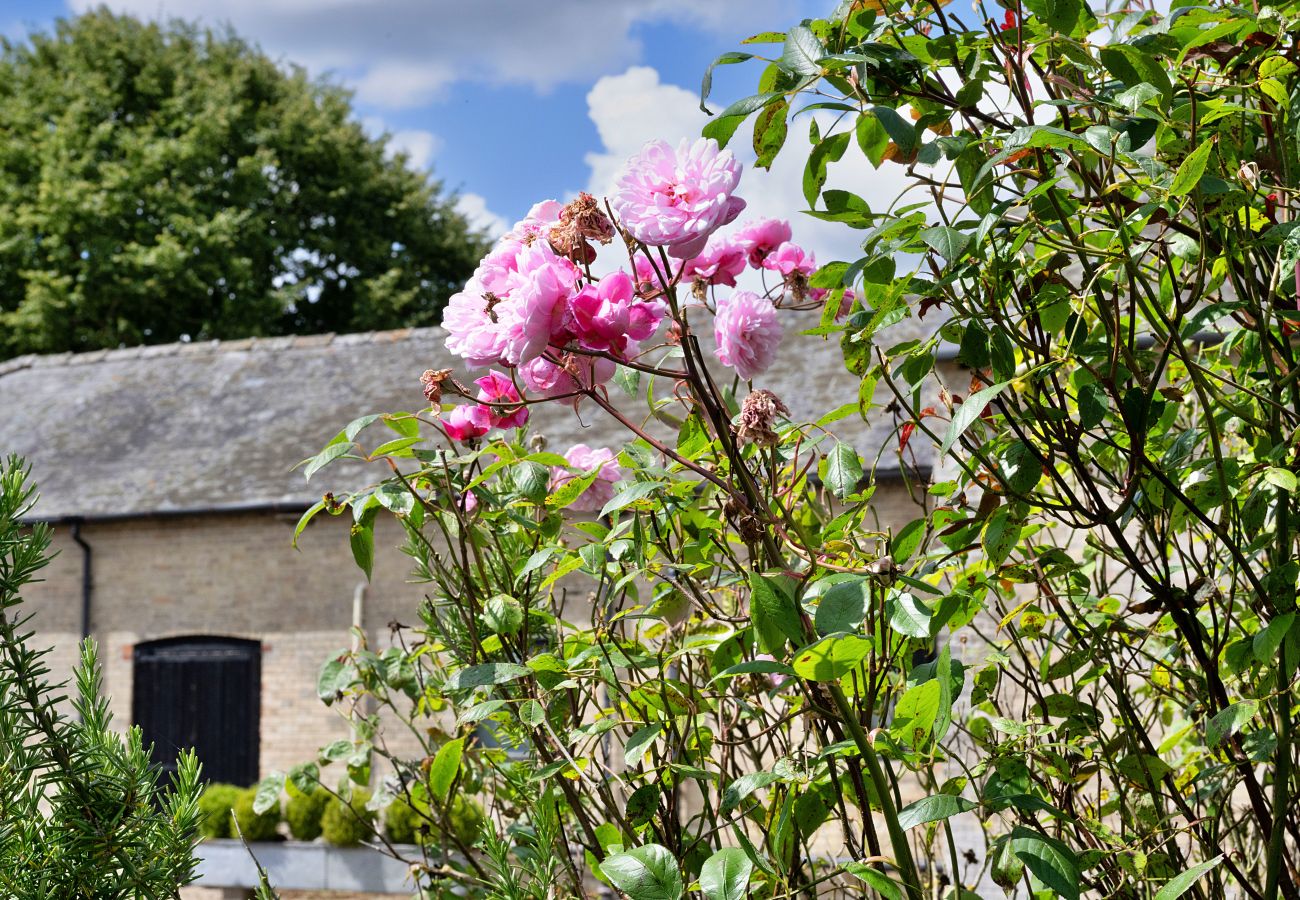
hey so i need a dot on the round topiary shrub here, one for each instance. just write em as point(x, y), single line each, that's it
point(402, 822)
point(347, 827)
point(215, 804)
point(253, 826)
point(304, 812)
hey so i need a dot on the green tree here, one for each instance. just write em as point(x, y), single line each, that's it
point(161, 181)
point(82, 813)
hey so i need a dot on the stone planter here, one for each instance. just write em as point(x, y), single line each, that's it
point(293, 865)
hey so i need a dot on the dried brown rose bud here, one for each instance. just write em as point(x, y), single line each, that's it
point(432, 381)
point(568, 241)
point(757, 416)
point(797, 284)
point(588, 219)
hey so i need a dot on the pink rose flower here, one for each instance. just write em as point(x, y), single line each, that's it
point(548, 379)
point(790, 258)
point(536, 304)
point(607, 316)
point(676, 199)
point(474, 332)
point(539, 220)
point(467, 422)
point(747, 332)
point(585, 459)
point(761, 238)
point(496, 389)
point(720, 263)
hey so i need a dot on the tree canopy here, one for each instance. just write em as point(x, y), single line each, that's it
point(164, 181)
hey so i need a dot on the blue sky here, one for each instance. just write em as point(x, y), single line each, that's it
point(508, 101)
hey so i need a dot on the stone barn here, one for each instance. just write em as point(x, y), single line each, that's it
point(168, 473)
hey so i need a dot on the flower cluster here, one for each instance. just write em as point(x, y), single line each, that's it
point(557, 330)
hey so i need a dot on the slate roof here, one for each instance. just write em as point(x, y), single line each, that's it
point(213, 426)
point(188, 427)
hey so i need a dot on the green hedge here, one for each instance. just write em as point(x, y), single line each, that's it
point(215, 805)
point(347, 828)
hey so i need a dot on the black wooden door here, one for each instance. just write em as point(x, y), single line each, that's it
point(205, 693)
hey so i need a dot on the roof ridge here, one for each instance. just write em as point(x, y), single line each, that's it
point(233, 345)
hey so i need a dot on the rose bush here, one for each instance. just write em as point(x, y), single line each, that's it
point(1086, 639)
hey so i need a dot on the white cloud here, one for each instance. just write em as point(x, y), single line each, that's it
point(474, 207)
point(402, 53)
point(419, 145)
point(634, 107)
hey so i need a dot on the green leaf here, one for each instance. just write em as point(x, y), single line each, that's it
point(445, 767)
point(305, 777)
point(742, 787)
point(725, 875)
point(881, 883)
point(1133, 67)
point(1192, 168)
point(769, 134)
point(336, 676)
point(842, 471)
point(915, 715)
point(774, 614)
point(1093, 403)
point(268, 793)
point(531, 480)
point(827, 151)
point(1283, 478)
point(843, 606)
point(486, 674)
point(872, 138)
point(362, 540)
point(503, 613)
point(907, 541)
point(933, 809)
point(1266, 642)
point(629, 495)
point(326, 456)
point(645, 873)
point(640, 742)
point(968, 412)
point(909, 616)
point(706, 86)
point(900, 131)
point(1229, 720)
point(571, 490)
point(949, 243)
point(802, 51)
point(1051, 862)
point(1176, 887)
point(831, 658)
point(1001, 535)
point(302, 522)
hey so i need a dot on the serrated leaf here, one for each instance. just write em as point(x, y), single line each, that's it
point(949, 243)
point(909, 616)
point(629, 495)
point(1283, 478)
point(725, 875)
point(1265, 643)
point(645, 873)
point(802, 52)
point(485, 674)
point(775, 617)
point(907, 541)
point(916, 713)
point(843, 470)
point(843, 606)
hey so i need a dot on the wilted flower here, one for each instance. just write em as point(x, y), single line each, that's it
point(495, 392)
point(585, 459)
point(467, 422)
point(432, 380)
point(676, 199)
point(747, 332)
point(758, 414)
point(762, 237)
